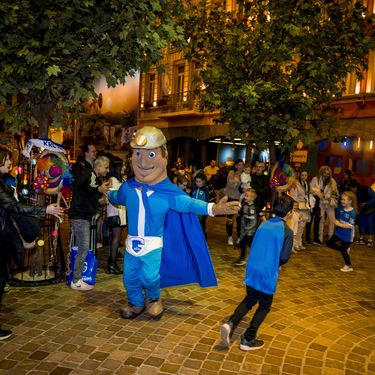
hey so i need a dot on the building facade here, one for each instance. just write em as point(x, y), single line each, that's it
point(167, 101)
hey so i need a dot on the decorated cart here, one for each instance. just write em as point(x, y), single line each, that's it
point(44, 178)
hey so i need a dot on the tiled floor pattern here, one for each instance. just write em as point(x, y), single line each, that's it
point(322, 322)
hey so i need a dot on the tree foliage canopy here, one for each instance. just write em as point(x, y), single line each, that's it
point(52, 51)
point(273, 67)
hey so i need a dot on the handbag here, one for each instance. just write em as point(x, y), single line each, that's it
point(28, 227)
point(89, 269)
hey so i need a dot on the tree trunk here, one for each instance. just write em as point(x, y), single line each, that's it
point(42, 112)
point(272, 151)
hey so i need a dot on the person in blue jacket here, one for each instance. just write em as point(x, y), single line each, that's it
point(200, 191)
point(165, 244)
point(271, 247)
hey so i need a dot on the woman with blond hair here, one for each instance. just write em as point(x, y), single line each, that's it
point(324, 189)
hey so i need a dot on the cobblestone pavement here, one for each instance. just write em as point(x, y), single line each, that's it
point(322, 322)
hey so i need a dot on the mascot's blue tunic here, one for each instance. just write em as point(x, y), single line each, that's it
point(163, 210)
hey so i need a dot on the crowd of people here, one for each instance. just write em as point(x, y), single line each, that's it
point(316, 210)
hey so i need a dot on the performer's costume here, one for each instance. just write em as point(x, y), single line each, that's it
point(165, 244)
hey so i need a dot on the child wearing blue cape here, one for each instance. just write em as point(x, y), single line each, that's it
point(271, 248)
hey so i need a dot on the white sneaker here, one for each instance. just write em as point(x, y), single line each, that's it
point(346, 268)
point(230, 240)
point(301, 247)
point(81, 285)
point(225, 333)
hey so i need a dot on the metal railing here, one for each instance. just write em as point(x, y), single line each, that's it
point(187, 100)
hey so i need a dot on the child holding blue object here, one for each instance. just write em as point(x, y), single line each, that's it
point(344, 235)
point(200, 191)
point(270, 249)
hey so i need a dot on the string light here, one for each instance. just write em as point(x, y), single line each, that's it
point(359, 142)
point(371, 144)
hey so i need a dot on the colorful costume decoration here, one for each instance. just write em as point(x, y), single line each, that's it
point(282, 177)
point(51, 173)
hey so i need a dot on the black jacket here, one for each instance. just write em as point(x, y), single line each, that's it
point(85, 202)
point(10, 205)
point(11, 244)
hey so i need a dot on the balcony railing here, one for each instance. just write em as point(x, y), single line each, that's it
point(183, 101)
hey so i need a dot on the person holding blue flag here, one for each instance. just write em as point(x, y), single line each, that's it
point(165, 244)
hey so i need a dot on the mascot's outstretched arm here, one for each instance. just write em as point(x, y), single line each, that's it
point(223, 207)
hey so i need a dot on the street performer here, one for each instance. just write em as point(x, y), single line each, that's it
point(165, 244)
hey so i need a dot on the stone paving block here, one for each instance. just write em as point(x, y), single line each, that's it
point(310, 370)
point(291, 369)
point(148, 370)
point(192, 364)
point(333, 371)
point(274, 360)
point(61, 371)
point(16, 371)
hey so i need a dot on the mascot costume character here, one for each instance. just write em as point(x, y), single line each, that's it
point(165, 244)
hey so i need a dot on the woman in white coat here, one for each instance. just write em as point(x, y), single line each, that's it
point(325, 190)
point(304, 201)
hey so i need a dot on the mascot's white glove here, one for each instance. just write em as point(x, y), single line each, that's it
point(223, 207)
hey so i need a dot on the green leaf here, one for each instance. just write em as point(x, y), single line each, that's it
point(53, 70)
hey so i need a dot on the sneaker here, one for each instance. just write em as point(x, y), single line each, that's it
point(230, 241)
point(81, 285)
point(99, 245)
point(254, 344)
point(318, 242)
point(346, 268)
point(6, 288)
point(5, 333)
point(295, 251)
point(302, 247)
point(361, 241)
point(240, 262)
point(309, 243)
point(226, 333)
point(370, 244)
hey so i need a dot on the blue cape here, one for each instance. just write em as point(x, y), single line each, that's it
point(185, 255)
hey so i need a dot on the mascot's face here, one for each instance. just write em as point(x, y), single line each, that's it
point(149, 165)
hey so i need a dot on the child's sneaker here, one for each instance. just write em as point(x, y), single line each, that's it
point(226, 333)
point(346, 268)
point(230, 241)
point(81, 285)
point(240, 262)
point(254, 344)
point(5, 333)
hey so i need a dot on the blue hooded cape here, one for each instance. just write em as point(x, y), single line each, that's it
point(185, 256)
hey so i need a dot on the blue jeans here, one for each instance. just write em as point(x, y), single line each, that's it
point(142, 273)
point(81, 230)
